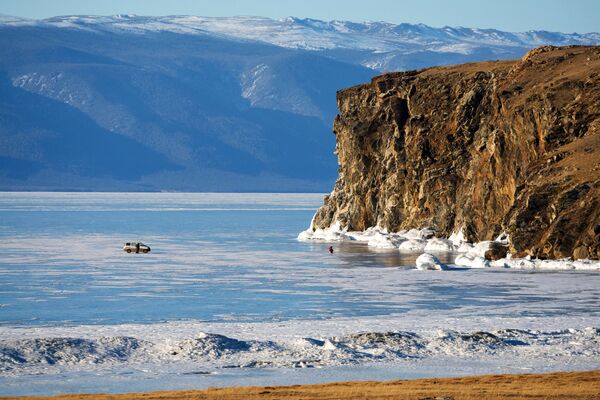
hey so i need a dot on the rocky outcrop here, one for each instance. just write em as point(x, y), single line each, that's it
point(482, 148)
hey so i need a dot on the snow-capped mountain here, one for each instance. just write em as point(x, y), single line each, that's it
point(192, 103)
point(375, 45)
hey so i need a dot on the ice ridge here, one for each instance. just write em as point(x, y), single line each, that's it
point(24, 356)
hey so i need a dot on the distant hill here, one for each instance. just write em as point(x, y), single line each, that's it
point(200, 104)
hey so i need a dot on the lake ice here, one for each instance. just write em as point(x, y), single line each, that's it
point(228, 296)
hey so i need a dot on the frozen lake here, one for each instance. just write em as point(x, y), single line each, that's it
point(230, 265)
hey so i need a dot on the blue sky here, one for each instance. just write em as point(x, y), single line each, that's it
point(511, 15)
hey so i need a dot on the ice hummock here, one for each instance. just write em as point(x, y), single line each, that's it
point(429, 262)
point(216, 351)
point(471, 261)
point(470, 255)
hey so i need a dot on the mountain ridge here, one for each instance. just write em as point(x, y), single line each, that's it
point(218, 112)
point(317, 35)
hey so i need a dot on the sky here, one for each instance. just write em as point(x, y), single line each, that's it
point(568, 16)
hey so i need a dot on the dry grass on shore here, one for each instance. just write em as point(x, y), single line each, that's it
point(554, 386)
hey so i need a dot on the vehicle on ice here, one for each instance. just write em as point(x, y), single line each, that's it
point(136, 247)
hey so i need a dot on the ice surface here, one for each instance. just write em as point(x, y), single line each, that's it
point(228, 296)
point(167, 202)
point(48, 355)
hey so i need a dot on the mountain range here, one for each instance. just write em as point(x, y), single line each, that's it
point(189, 103)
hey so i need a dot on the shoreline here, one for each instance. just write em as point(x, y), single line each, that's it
point(557, 385)
point(480, 255)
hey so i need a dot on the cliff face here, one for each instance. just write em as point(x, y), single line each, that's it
point(482, 148)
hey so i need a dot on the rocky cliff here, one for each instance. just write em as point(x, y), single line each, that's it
point(481, 148)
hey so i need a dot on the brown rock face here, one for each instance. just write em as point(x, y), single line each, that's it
point(496, 251)
point(483, 148)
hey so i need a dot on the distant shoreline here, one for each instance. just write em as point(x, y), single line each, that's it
point(558, 385)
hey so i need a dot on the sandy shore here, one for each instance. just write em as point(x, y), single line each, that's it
point(561, 385)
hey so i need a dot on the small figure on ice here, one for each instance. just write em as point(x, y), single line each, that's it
point(331, 249)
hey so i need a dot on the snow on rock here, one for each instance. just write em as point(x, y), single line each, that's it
point(465, 248)
point(503, 238)
point(424, 234)
point(429, 262)
point(484, 254)
point(471, 261)
point(480, 248)
point(334, 233)
point(457, 238)
point(563, 264)
point(413, 245)
point(437, 244)
point(386, 241)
